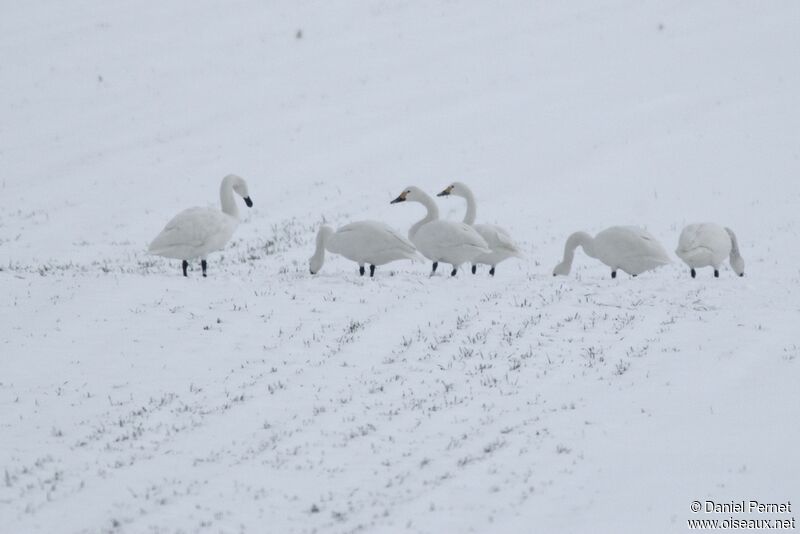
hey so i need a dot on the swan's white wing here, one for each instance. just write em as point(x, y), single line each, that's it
point(380, 233)
point(631, 248)
point(192, 233)
point(396, 241)
point(452, 234)
point(450, 241)
point(371, 241)
point(654, 248)
point(498, 239)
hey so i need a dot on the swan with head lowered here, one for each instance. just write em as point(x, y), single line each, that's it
point(500, 242)
point(196, 232)
point(626, 248)
point(364, 242)
point(707, 245)
point(439, 240)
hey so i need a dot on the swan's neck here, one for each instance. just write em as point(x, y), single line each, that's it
point(322, 239)
point(734, 244)
point(226, 198)
point(736, 260)
point(472, 208)
point(432, 215)
point(578, 239)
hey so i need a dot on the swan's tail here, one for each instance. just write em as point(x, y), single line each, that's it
point(737, 262)
point(693, 255)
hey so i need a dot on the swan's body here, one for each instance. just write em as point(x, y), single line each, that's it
point(447, 241)
point(196, 232)
point(707, 245)
point(627, 248)
point(500, 242)
point(364, 242)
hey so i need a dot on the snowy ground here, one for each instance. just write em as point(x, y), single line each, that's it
point(263, 399)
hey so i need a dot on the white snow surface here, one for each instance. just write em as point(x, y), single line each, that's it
point(262, 399)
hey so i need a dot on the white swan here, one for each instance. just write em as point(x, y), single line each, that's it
point(501, 243)
point(196, 232)
point(448, 241)
point(628, 248)
point(708, 244)
point(364, 242)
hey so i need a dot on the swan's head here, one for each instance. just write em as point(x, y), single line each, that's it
point(239, 186)
point(562, 269)
point(456, 189)
point(410, 194)
point(737, 263)
point(315, 262)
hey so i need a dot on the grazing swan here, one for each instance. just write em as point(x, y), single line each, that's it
point(708, 244)
point(448, 241)
point(195, 232)
point(628, 248)
point(364, 242)
point(503, 247)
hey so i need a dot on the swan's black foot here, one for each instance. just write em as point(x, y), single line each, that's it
point(185, 266)
point(435, 265)
point(693, 272)
point(204, 265)
point(371, 271)
point(491, 271)
point(453, 272)
point(716, 273)
point(613, 274)
point(361, 270)
point(474, 269)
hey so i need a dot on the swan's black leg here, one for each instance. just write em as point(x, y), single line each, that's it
point(491, 271)
point(693, 272)
point(474, 268)
point(435, 265)
point(634, 275)
point(185, 266)
point(716, 273)
point(454, 271)
point(361, 270)
point(204, 265)
point(613, 274)
point(371, 271)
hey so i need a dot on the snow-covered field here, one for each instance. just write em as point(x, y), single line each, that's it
point(262, 399)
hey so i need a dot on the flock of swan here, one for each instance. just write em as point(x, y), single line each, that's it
point(196, 232)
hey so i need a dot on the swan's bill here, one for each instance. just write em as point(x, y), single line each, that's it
point(248, 202)
point(400, 198)
point(446, 192)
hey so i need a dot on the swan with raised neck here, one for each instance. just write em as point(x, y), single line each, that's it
point(500, 242)
point(440, 240)
point(196, 232)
